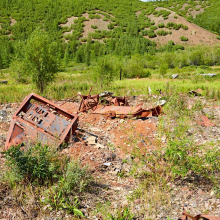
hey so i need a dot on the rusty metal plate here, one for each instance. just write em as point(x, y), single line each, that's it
point(127, 111)
point(41, 120)
point(187, 216)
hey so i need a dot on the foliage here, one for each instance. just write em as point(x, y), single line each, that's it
point(94, 26)
point(161, 25)
point(121, 215)
point(36, 164)
point(76, 178)
point(151, 34)
point(41, 59)
point(104, 72)
point(162, 33)
point(182, 38)
point(218, 37)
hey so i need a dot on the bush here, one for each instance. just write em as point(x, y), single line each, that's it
point(185, 27)
point(162, 33)
point(151, 34)
point(111, 25)
point(36, 164)
point(153, 28)
point(92, 16)
point(218, 37)
point(94, 26)
point(76, 178)
point(161, 25)
point(182, 38)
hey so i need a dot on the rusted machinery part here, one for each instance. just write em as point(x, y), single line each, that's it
point(39, 119)
point(88, 102)
point(187, 216)
point(118, 101)
point(128, 111)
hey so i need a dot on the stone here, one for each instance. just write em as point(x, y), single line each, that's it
point(95, 129)
point(110, 157)
point(107, 164)
point(91, 140)
point(161, 102)
point(99, 146)
point(174, 76)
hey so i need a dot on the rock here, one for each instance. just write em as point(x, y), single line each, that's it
point(208, 74)
point(110, 157)
point(107, 164)
point(174, 76)
point(95, 129)
point(8, 106)
point(91, 140)
point(99, 146)
point(161, 102)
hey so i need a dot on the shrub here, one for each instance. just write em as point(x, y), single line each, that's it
point(185, 27)
point(94, 26)
point(151, 34)
point(76, 178)
point(35, 164)
point(218, 37)
point(182, 38)
point(92, 16)
point(170, 24)
point(111, 26)
point(154, 27)
point(144, 32)
point(161, 25)
point(162, 33)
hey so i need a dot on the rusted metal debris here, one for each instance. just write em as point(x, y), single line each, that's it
point(206, 122)
point(88, 102)
point(40, 120)
point(128, 111)
point(114, 106)
point(187, 216)
point(196, 92)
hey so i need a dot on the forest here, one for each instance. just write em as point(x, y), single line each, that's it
point(125, 35)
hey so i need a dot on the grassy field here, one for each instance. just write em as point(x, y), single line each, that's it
point(80, 78)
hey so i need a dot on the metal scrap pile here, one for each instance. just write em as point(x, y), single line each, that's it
point(41, 120)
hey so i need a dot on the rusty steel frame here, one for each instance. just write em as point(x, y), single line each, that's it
point(187, 216)
point(40, 119)
point(88, 102)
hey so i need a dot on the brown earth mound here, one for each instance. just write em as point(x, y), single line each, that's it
point(195, 34)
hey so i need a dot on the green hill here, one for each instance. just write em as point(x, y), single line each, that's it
point(100, 22)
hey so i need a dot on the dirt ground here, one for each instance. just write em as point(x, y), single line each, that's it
point(108, 145)
point(195, 34)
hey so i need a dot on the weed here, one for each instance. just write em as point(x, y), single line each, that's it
point(36, 164)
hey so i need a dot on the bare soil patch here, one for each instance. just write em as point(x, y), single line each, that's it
point(102, 25)
point(69, 22)
point(195, 34)
point(137, 13)
point(12, 21)
point(195, 12)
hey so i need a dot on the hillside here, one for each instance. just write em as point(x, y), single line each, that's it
point(149, 158)
point(133, 22)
